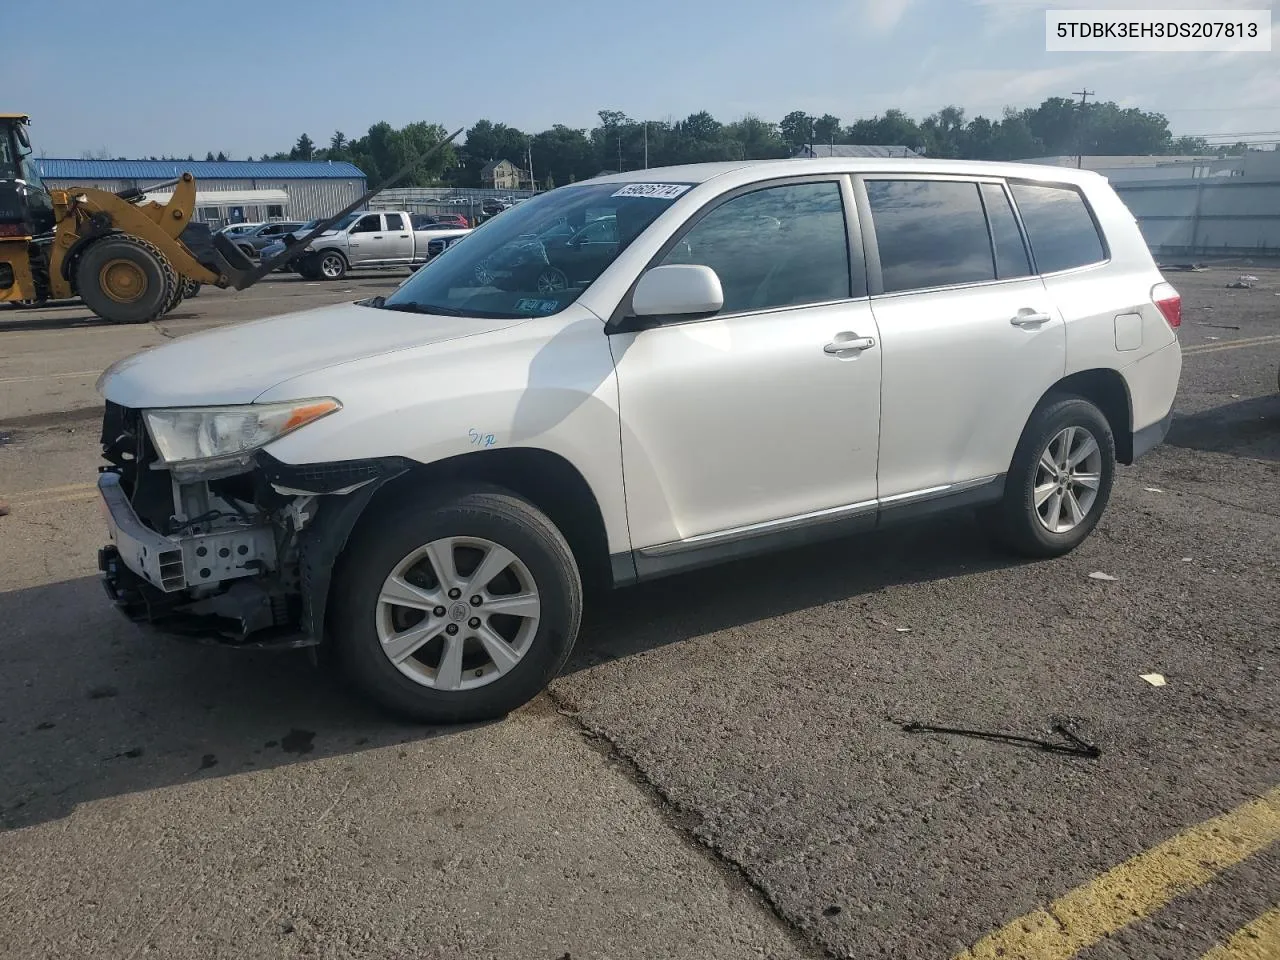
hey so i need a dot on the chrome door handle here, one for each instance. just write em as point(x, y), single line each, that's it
point(853, 343)
point(1029, 319)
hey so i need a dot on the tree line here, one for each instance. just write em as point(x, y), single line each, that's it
point(563, 154)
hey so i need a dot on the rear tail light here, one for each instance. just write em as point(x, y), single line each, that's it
point(13, 230)
point(1169, 302)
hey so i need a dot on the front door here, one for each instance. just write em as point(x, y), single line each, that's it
point(971, 337)
point(367, 240)
point(767, 413)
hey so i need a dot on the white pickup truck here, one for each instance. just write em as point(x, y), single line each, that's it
point(368, 239)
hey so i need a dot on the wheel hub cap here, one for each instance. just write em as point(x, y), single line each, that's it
point(122, 281)
point(1067, 479)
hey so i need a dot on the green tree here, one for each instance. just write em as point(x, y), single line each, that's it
point(796, 129)
point(304, 149)
point(222, 156)
point(826, 129)
point(209, 156)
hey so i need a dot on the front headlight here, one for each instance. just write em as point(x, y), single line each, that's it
point(190, 434)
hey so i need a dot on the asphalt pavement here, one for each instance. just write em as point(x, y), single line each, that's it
point(725, 767)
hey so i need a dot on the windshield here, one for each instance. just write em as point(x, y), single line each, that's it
point(527, 263)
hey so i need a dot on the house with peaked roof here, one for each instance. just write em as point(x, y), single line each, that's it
point(502, 175)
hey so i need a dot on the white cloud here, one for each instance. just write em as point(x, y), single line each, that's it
point(883, 15)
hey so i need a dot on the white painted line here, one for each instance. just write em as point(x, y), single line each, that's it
point(51, 376)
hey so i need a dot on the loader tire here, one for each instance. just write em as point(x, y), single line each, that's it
point(190, 288)
point(125, 279)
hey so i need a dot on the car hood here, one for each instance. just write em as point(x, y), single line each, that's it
point(238, 364)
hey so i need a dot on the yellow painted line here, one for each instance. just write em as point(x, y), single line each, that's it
point(1136, 888)
point(1259, 940)
point(51, 376)
point(1230, 344)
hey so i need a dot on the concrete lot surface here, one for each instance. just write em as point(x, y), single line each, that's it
point(722, 769)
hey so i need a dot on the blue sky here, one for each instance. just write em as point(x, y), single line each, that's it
point(142, 77)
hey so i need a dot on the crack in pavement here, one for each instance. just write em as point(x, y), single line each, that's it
point(679, 817)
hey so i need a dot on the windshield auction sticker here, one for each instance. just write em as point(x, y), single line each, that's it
point(657, 191)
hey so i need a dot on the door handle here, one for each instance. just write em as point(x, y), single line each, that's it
point(851, 341)
point(1029, 318)
point(377, 236)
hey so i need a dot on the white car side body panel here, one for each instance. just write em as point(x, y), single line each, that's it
point(1097, 301)
point(546, 384)
point(960, 380)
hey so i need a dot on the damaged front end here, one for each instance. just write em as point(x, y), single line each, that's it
point(237, 552)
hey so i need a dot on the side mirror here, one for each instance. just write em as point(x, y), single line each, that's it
point(687, 291)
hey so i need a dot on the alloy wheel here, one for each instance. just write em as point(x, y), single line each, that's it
point(458, 613)
point(1067, 479)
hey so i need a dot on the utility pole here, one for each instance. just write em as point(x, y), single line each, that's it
point(528, 159)
point(646, 144)
point(1083, 95)
point(619, 153)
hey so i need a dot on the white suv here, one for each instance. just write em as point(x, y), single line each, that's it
point(759, 354)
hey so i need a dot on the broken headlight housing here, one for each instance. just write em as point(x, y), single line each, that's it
point(214, 439)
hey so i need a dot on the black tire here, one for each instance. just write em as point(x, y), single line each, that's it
point(190, 288)
point(248, 251)
point(391, 534)
point(155, 289)
point(176, 296)
point(1015, 523)
point(333, 262)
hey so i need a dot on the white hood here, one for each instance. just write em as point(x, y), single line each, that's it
point(238, 364)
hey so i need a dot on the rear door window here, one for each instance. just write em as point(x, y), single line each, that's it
point(1011, 252)
point(1059, 225)
point(930, 233)
point(394, 221)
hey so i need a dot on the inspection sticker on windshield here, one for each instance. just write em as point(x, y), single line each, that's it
point(658, 191)
point(537, 306)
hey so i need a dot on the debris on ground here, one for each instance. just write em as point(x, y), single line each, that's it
point(5, 438)
point(1153, 490)
point(1186, 559)
point(1244, 282)
point(1099, 575)
point(1186, 267)
point(1070, 744)
point(903, 629)
point(1155, 679)
point(1219, 326)
point(4, 509)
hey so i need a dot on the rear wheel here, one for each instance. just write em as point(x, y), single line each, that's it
point(125, 279)
point(190, 288)
point(1059, 482)
point(456, 609)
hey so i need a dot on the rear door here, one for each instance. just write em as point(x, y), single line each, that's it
point(971, 339)
point(399, 239)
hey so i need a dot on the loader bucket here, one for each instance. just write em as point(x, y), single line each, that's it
point(218, 254)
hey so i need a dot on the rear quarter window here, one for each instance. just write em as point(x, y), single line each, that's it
point(1059, 226)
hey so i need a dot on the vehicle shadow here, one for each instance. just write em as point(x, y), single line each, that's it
point(650, 615)
point(92, 706)
point(1246, 428)
point(16, 322)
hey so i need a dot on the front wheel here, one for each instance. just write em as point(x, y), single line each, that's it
point(1059, 482)
point(331, 265)
point(125, 279)
point(458, 608)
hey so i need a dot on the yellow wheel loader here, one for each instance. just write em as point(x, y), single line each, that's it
point(129, 259)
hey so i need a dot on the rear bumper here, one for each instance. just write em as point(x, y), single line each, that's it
point(1150, 437)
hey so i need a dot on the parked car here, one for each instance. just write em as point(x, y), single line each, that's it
point(426, 480)
point(253, 242)
point(370, 239)
point(236, 230)
point(444, 221)
point(276, 245)
point(555, 259)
